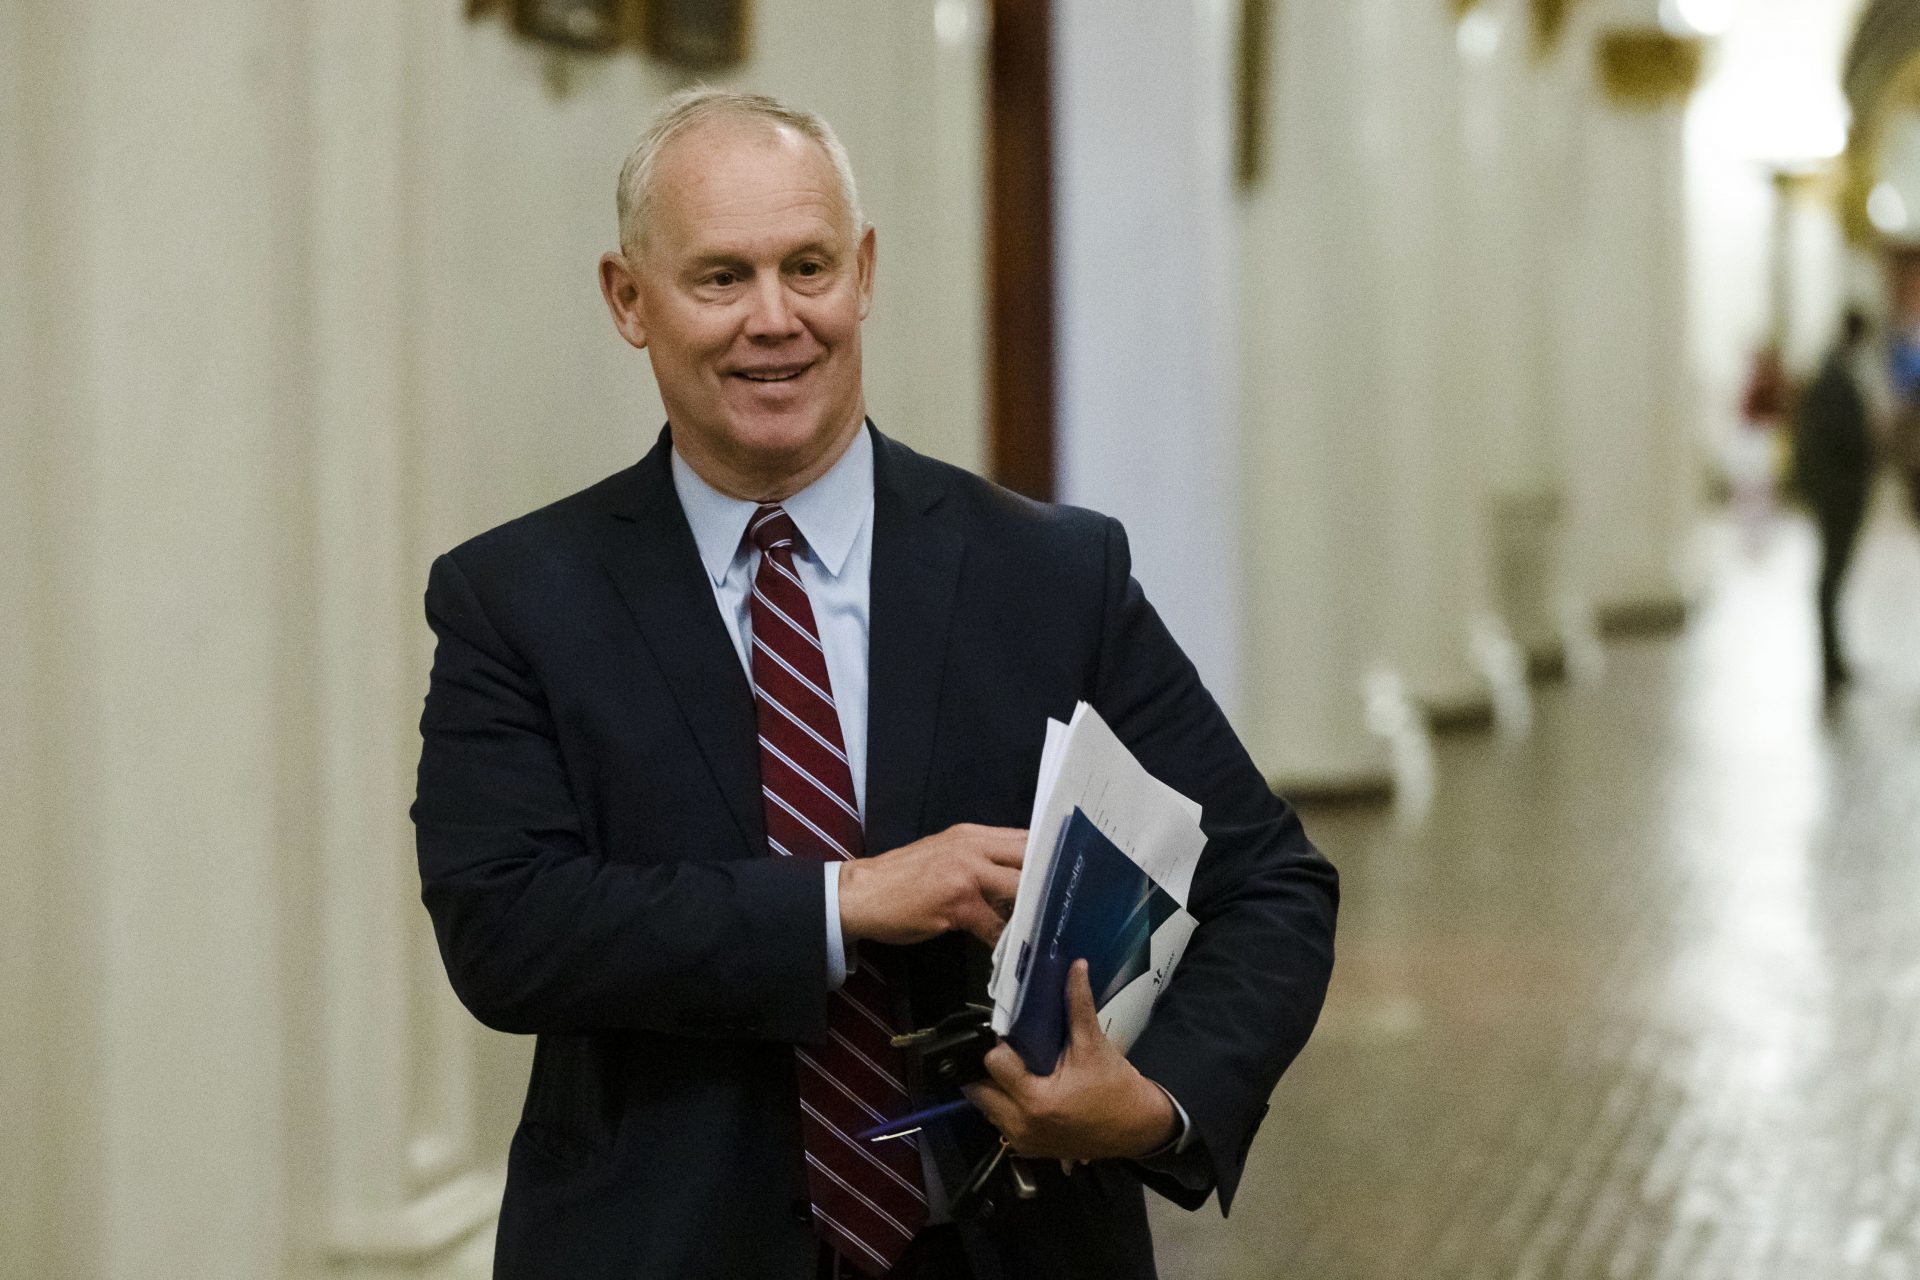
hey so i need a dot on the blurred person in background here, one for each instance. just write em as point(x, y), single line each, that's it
point(1753, 453)
point(1833, 472)
point(1903, 436)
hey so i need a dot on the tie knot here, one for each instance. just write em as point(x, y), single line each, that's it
point(772, 528)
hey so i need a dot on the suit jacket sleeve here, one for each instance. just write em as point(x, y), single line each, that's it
point(1247, 992)
point(539, 932)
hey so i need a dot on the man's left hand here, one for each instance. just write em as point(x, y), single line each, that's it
point(1094, 1106)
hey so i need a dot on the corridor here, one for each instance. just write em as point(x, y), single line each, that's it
point(1642, 997)
point(1409, 342)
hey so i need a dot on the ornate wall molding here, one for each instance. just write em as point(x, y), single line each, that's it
point(1549, 21)
point(1882, 78)
point(1884, 43)
point(1252, 88)
point(1649, 67)
point(699, 35)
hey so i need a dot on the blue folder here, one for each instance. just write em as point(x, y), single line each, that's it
point(1099, 907)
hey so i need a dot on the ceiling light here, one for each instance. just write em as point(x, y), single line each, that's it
point(1887, 210)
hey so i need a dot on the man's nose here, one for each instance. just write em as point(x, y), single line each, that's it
point(771, 313)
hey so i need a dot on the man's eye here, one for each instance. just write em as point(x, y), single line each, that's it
point(723, 278)
point(809, 269)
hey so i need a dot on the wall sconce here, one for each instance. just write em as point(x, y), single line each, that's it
point(1549, 19)
point(589, 26)
point(1649, 67)
point(705, 35)
point(1252, 85)
point(699, 35)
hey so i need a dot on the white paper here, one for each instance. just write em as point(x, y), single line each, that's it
point(1083, 765)
point(1049, 769)
point(1124, 1016)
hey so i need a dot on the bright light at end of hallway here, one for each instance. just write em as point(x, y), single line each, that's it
point(1778, 120)
point(1887, 210)
point(1478, 35)
point(1816, 131)
point(1702, 17)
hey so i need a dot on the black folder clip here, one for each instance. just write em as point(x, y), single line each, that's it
point(951, 1053)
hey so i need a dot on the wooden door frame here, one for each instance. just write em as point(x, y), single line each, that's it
point(1020, 279)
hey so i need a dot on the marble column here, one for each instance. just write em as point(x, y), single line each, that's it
point(1319, 457)
point(1516, 202)
point(403, 1180)
point(1149, 426)
point(1437, 332)
point(1625, 370)
point(143, 209)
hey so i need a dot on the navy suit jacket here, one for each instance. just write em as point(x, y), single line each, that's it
point(592, 853)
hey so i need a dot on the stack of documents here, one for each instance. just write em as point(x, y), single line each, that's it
point(1110, 859)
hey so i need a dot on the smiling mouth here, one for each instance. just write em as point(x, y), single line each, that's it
point(771, 375)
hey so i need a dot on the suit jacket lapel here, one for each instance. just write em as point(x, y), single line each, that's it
point(917, 549)
point(654, 562)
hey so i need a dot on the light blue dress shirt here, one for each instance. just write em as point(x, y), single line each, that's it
point(835, 517)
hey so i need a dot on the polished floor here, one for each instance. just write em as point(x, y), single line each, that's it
point(1641, 996)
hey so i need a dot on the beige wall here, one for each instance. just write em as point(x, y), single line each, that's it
point(20, 868)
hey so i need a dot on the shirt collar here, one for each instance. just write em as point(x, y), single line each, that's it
point(829, 512)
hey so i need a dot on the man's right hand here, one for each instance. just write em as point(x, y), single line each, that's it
point(961, 878)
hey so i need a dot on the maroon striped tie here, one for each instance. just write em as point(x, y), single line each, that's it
point(868, 1200)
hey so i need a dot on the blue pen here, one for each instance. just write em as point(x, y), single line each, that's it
point(912, 1122)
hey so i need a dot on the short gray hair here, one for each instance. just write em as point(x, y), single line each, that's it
point(696, 106)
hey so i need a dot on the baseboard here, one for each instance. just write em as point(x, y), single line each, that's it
point(1662, 615)
point(1361, 787)
point(1459, 713)
point(1547, 662)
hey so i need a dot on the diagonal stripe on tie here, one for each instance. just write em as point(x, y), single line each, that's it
point(830, 747)
point(833, 795)
point(800, 831)
point(868, 1201)
point(861, 1150)
point(784, 662)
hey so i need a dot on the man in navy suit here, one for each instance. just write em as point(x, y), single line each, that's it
point(618, 776)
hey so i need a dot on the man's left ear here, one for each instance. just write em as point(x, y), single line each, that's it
point(864, 258)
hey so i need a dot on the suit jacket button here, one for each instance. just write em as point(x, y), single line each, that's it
point(802, 1210)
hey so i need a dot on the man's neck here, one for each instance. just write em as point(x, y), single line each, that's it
point(777, 486)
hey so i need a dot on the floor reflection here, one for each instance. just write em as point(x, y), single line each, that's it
point(1641, 998)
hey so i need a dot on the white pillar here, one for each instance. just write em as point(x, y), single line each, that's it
point(1625, 357)
point(1432, 316)
point(151, 146)
point(1524, 125)
point(403, 1180)
point(1509, 213)
point(920, 108)
point(1148, 421)
point(36, 995)
point(1318, 457)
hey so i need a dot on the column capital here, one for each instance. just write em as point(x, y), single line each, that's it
point(1648, 66)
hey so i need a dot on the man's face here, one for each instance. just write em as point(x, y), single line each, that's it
point(748, 296)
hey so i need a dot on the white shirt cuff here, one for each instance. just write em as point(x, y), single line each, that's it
point(837, 945)
point(1183, 1136)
